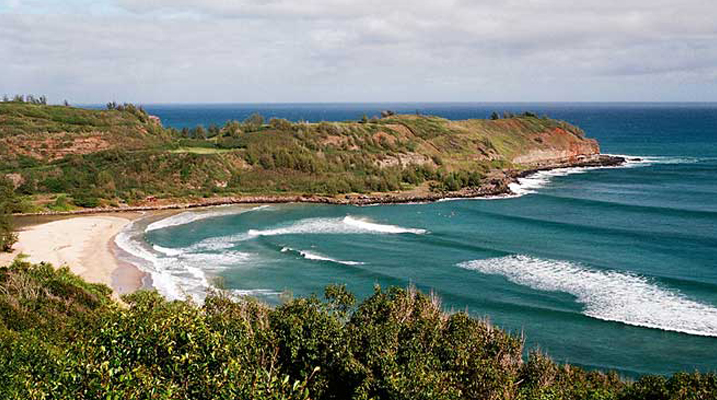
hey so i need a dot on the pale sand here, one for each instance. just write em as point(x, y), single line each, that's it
point(85, 244)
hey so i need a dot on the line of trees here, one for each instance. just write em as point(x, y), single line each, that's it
point(138, 111)
point(27, 99)
point(233, 128)
point(507, 114)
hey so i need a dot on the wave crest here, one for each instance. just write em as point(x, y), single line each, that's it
point(607, 295)
point(187, 217)
point(346, 225)
point(309, 255)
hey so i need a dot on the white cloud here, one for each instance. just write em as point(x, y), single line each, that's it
point(345, 50)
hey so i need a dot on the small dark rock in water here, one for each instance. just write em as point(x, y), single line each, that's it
point(636, 159)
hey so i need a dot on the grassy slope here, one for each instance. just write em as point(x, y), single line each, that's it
point(42, 132)
point(62, 338)
point(112, 157)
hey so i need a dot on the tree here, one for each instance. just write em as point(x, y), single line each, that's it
point(213, 130)
point(280, 124)
point(254, 122)
point(232, 129)
point(7, 235)
point(7, 205)
point(200, 132)
point(494, 116)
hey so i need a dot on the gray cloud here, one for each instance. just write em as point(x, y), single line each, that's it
point(345, 50)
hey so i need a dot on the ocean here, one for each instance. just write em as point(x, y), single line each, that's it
point(605, 268)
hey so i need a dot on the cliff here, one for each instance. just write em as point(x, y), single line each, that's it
point(63, 158)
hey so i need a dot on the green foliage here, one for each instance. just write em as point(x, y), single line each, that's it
point(29, 99)
point(7, 235)
point(136, 158)
point(61, 204)
point(9, 203)
point(253, 122)
point(63, 338)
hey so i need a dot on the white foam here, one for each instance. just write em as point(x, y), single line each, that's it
point(254, 292)
point(346, 225)
point(608, 295)
point(533, 182)
point(363, 224)
point(175, 273)
point(540, 179)
point(188, 217)
point(645, 161)
point(309, 255)
point(167, 251)
point(148, 262)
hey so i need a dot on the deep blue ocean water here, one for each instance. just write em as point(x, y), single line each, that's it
point(612, 268)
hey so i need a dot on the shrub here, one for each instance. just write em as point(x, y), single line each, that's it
point(63, 338)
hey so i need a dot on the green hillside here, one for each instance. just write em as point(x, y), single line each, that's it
point(62, 156)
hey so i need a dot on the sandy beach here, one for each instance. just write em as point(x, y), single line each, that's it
point(85, 244)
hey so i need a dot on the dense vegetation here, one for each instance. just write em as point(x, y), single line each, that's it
point(63, 338)
point(9, 204)
point(63, 157)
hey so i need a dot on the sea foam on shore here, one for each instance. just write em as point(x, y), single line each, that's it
point(178, 272)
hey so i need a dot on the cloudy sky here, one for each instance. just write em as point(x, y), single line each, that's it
point(359, 50)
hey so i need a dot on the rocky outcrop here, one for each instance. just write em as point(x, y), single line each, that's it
point(557, 146)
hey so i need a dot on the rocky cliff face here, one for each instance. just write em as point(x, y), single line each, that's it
point(557, 147)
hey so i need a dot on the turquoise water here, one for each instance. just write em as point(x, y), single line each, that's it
point(612, 268)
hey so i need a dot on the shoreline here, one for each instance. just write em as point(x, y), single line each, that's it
point(95, 256)
point(495, 186)
point(83, 243)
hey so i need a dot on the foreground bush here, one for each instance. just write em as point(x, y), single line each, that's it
point(62, 338)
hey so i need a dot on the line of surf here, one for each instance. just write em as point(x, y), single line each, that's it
point(540, 179)
point(175, 273)
point(607, 295)
point(189, 217)
point(338, 226)
point(310, 255)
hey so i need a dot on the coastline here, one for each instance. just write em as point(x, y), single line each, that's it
point(495, 185)
point(85, 244)
point(85, 239)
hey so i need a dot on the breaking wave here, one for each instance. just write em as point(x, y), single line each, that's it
point(175, 273)
point(346, 225)
point(188, 217)
point(254, 292)
point(318, 257)
point(607, 295)
point(530, 184)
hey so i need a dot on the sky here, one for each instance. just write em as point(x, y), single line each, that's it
point(190, 51)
